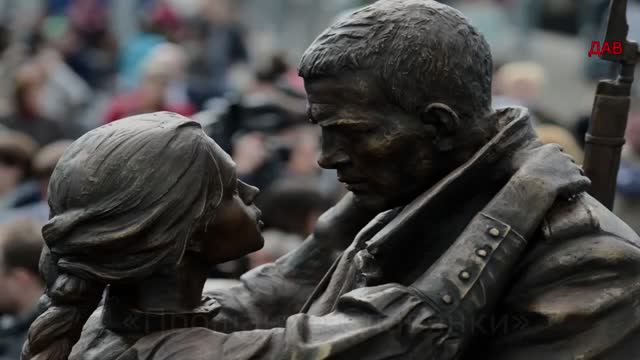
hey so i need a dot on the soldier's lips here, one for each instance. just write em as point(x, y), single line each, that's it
point(355, 186)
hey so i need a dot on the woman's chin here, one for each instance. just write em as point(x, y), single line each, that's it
point(259, 242)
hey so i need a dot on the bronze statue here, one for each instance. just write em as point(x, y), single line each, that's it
point(462, 237)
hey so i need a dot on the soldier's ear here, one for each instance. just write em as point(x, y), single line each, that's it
point(445, 121)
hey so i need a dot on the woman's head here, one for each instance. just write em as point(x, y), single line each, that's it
point(132, 198)
point(136, 189)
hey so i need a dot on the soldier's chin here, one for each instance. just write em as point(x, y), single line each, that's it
point(371, 202)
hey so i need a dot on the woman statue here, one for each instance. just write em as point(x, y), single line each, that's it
point(143, 207)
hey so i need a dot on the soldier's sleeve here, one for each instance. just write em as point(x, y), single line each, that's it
point(579, 299)
point(370, 323)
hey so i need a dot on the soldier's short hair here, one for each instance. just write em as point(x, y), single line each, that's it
point(421, 50)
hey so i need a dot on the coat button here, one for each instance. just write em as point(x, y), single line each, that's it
point(494, 232)
point(482, 253)
point(465, 275)
point(447, 299)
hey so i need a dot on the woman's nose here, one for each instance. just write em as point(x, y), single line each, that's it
point(247, 192)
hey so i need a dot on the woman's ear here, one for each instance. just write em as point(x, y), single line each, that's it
point(446, 123)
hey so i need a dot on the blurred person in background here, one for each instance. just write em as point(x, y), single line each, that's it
point(44, 162)
point(291, 209)
point(5, 42)
point(520, 84)
point(554, 134)
point(217, 45)
point(28, 116)
point(162, 87)
point(252, 158)
point(16, 154)
point(290, 152)
point(158, 24)
point(88, 46)
point(627, 202)
point(277, 82)
point(20, 283)
point(64, 94)
point(11, 55)
point(302, 163)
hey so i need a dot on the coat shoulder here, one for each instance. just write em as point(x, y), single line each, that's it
point(580, 238)
point(575, 292)
point(582, 216)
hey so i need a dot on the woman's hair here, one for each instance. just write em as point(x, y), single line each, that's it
point(125, 199)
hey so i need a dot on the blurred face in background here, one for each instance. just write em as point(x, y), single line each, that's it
point(30, 80)
point(305, 151)
point(218, 11)
point(153, 92)
point(164, 69)
point(11, 173)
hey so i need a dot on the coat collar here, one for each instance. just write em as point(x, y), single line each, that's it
point(516, 133)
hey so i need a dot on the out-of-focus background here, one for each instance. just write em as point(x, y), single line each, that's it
point(67, 66)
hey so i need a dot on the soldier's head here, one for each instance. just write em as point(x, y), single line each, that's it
point(402, 91)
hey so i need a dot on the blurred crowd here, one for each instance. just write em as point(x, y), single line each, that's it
point(64, 70)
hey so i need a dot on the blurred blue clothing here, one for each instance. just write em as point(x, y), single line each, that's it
point(133, 56)
point(221, 47)
point(38, 212)
point(629, 179)
point(495, 23)
point(25, 194)
point(13, 333)
point(627, 202)
point(57, 7)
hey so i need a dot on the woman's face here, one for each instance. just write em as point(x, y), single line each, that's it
point(235, 231)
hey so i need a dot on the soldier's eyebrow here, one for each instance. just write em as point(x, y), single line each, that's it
point(353, 123)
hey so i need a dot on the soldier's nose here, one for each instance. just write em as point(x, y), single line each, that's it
point(333, 160)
